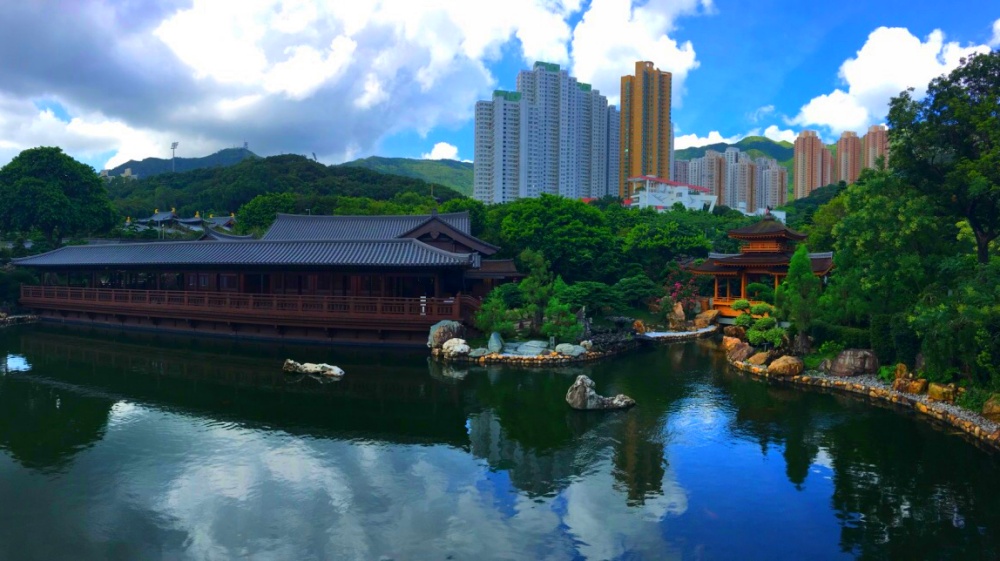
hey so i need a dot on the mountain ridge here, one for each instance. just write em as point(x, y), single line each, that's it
point(148, 167)
point(450, 173)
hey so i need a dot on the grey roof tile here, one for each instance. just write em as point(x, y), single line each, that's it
point(299, 226)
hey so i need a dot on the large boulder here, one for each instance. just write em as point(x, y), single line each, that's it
point(454, 348)
point(740, 352)
point(705, 319)
point(570, 350)
point(495, 344)
point(735, 332)
point(479, 353)
point(587, 345)
point(581, 395)
point(855, 362)
point(678, 312)
point(918, 386)
point(991, 409)
point(729, 343)
point(941, 392)
point(533, 348)
point(758, 359)
point(444, 330)
point(321, 369)
point(786, 366)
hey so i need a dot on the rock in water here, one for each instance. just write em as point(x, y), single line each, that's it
point(455, 347)
point(444, 330)
point(495, 344)
point(574, 351)
point(740, 352)
point(533, 348)
point(786, 366)
point(581, 395)
point(321, 369)
point(758, 359)
point(735, 332)
point(854, 362)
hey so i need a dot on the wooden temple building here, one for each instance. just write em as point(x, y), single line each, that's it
point(339, 278)
point(766, 250)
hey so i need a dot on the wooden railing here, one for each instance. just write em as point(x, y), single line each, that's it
point(724, 305)
point(242, 307)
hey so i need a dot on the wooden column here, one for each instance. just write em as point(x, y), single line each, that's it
point(716, 287)
point(743, 285)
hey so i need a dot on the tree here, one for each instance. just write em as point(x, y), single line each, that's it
point(536, 288)
point(798, 297)
point(258, 214)
point(495, 316)
point(44, 189)
point(947, 145)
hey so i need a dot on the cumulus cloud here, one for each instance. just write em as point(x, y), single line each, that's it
point(760, 113)
point(442, 151)
point(995, 41)
point(891, 60)
point(780, 135)
point(693, 140)
point(614, 34)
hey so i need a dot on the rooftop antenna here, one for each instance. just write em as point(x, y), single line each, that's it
point(173, 156)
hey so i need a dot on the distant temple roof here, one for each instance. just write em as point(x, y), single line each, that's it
point(383, 253)
point(718, 263)
point(768, 228)
point(298, 226)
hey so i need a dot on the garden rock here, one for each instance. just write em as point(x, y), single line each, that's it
point(581, 396)
point(735, 332)
point(705, 319)
point(991, 409)
point(740, 352)
point(855, 362)
point(444, 330)
point(786, 366)
point(570, 350)
point(758, 359)
point(495, 344)
point(321, 369)
point(478, 353)
point(588, 345)
point(941, 392)
point(533, 348)
point(454, 348)
point(729, 343)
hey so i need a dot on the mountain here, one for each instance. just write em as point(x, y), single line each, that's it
point(224, 189)
point(780, 151)
point(155, 166)
point(450, 173)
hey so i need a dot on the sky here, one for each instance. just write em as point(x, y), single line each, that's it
point(109, 81)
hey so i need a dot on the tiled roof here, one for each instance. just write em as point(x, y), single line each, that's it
point(767, 228)
point(216, 235)
point(384, 253)
point(298, 226)
point(777, 262)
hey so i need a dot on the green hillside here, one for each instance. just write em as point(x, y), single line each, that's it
point(155, 166)
point(222, 190)
point(764, 146)
point(450, 173)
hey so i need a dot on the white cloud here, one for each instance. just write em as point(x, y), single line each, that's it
point(995, 41)
point(891, 60)
point(778, 135)
point(442, 151)
point(693, 140)
point(614, 34)
point(760, 113)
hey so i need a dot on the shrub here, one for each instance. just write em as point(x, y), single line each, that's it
point(762, 310)
point(887, 373)
point(597, 297)
point(636, 291)
point(880, 336)
point(904, 339)
point(765, 323)
point(741, 305)
point(849, 337)
point(773, 336)
point(510, 293)
point(973, 399)
point(560, 322)
point(744, 321)
point(761, 291)
point(493, 315)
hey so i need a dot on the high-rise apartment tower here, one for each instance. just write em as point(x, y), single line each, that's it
point(813, 164)
point(646, 128)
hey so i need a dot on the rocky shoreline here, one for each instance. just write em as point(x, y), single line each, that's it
point(976, 427)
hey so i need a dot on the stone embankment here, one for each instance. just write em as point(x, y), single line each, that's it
point(860, 380)
point(6, 321)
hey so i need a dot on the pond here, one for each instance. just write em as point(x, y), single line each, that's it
point(121, 446)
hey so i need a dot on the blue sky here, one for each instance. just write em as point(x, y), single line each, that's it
point(115, 82)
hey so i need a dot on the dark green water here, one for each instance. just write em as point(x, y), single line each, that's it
point(125, 447)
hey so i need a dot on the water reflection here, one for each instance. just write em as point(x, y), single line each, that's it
point(183, 449)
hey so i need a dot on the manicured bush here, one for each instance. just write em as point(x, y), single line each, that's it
point(493, 315)
point(561, 323)
point(636, 291)
point(741, 305)
point(743, 320)
point(510, 293)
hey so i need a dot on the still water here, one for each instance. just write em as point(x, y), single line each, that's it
point(117, 446)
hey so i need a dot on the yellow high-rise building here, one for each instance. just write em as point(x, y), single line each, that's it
point(645, 125)
point(849, 163)
point(874, 145)
point(813, 164)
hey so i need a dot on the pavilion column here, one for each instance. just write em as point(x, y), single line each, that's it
point(716, 287)
point(775, 283)
point(743, 285)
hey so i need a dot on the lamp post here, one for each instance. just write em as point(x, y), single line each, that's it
point(173, 156)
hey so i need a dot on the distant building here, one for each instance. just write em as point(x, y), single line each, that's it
point(554, 135)
point(813, 164)
point(654, 192)
point(874, 145)
point(772, 184)
point(848, 164)
point(646, 129)
point(680, 171)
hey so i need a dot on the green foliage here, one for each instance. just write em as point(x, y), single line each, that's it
point(905, 343)
point(947, 144)
point(801, 212)
point(561, 323)
point(510, 293)
point(760, 291)
point(827, 350)
point(10, 285)
point(257, 215)
point(476, 210)
point(762, 309)
point(155, 166)
point(636, 291)
point(44, 189)
point(765, 323)
point(848, 337)
point(780, 151)
point(973, 399)
point(887, 373)
point(880, 335)
point(824, 220)
point(537, 288)
point(798, 296)
point(743, 320)
point(450, 173)
point(772, 337)
point(597, 297)
point(494, 315)
point(741, 305)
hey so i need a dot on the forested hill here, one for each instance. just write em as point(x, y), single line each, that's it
point(222, 190)
point(451, 173)
point(155, 166)
point(754, 145)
